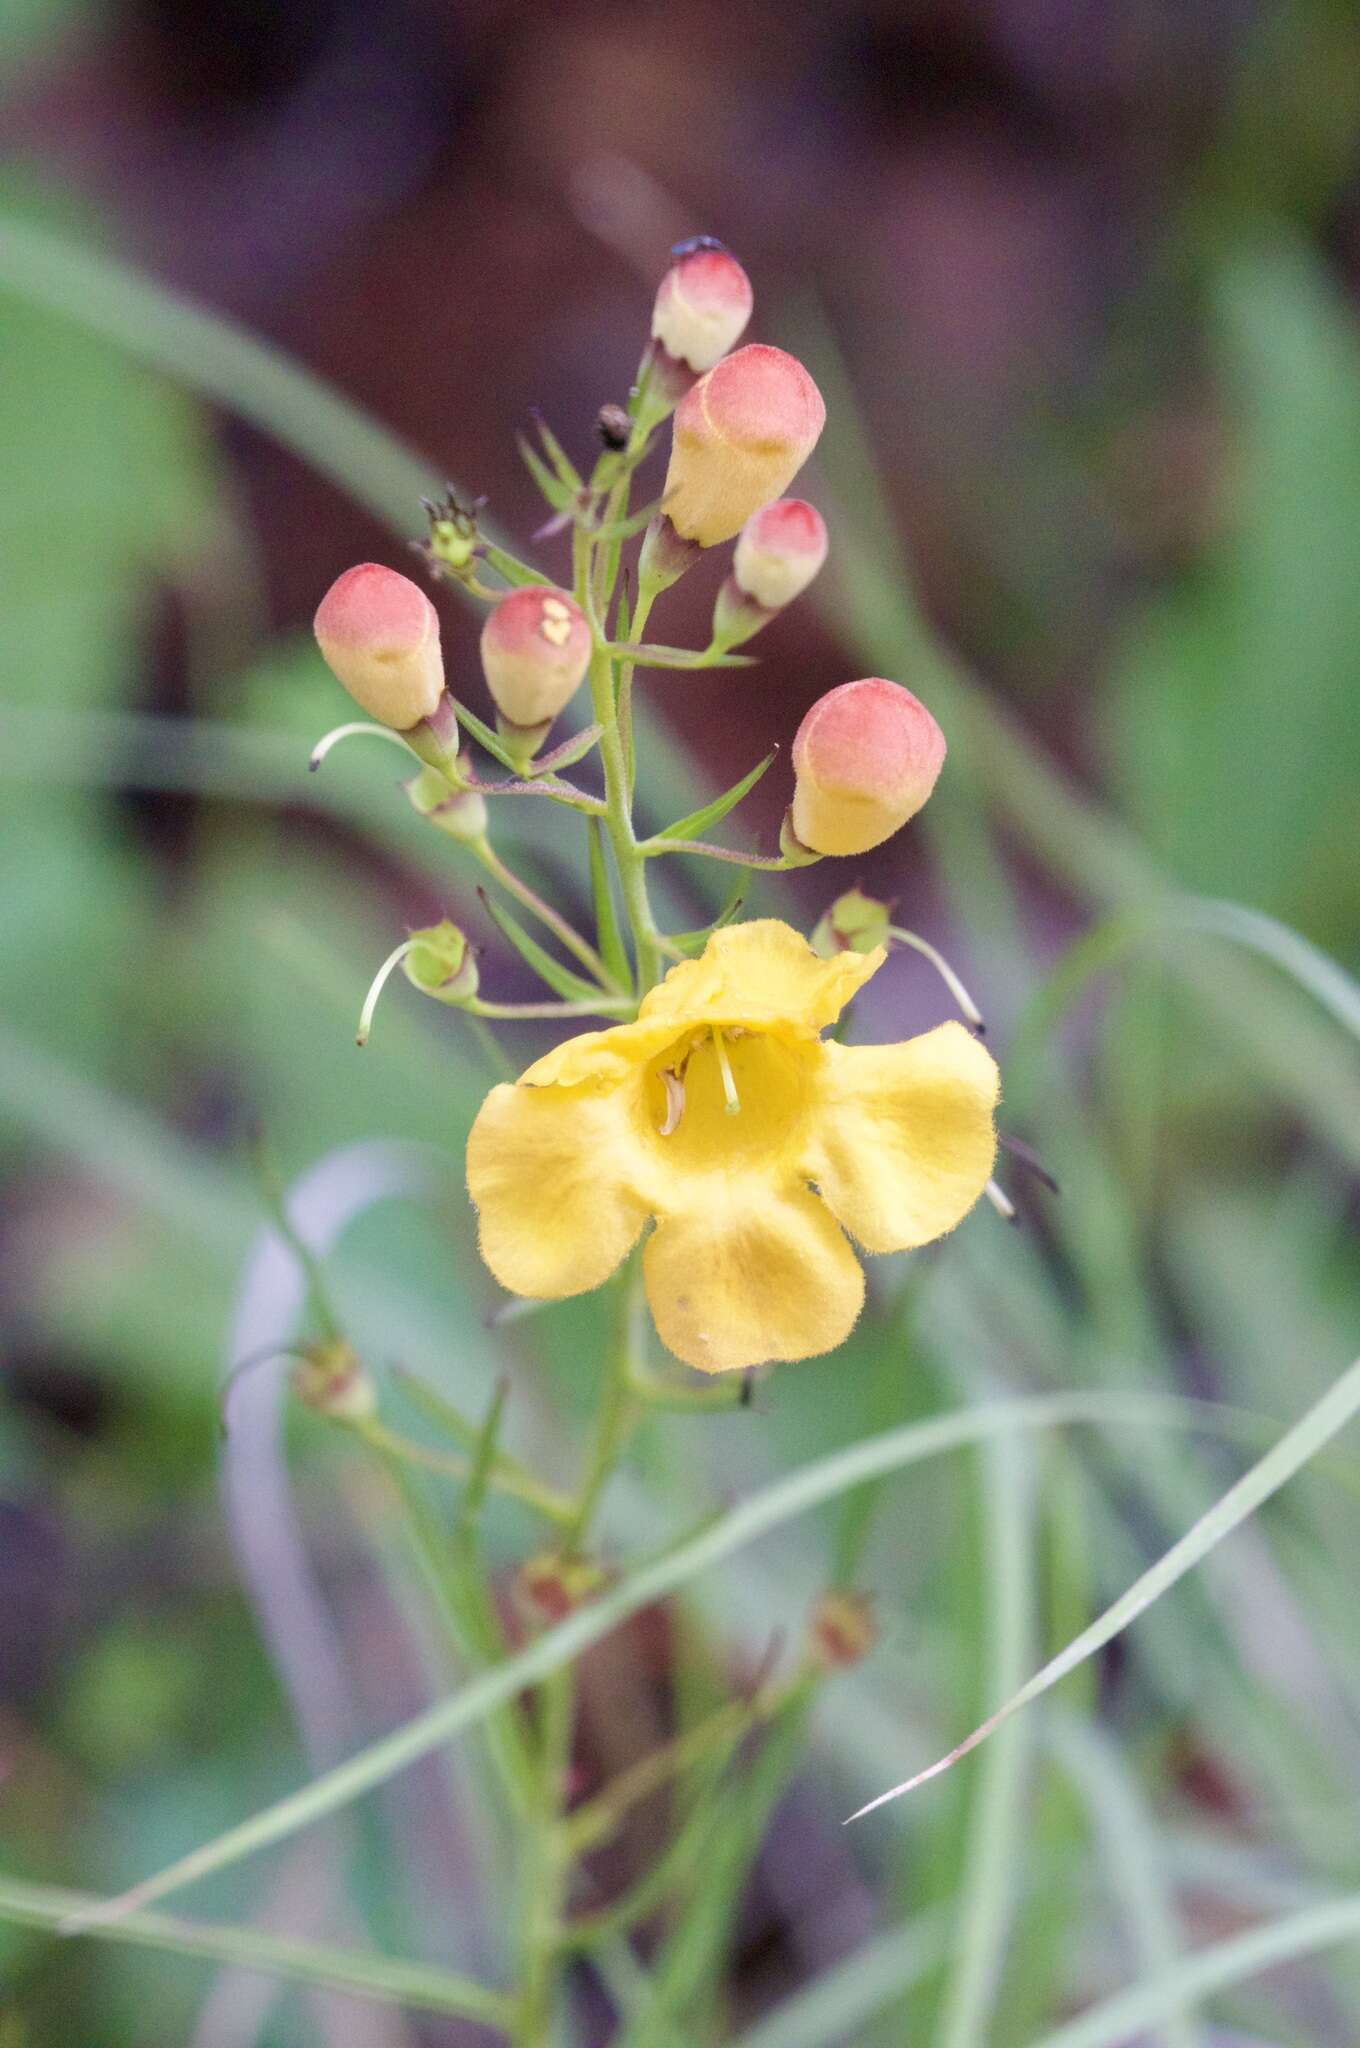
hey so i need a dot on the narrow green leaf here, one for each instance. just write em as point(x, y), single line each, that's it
point(385, 1978)
point(559, 495)
point(484, 1457)
point(1296, 1447)
point(1128, 2015)
point(750, 1520)
point(572, 988)
point(708, 815)
point(557, 455)
point(515, 572)
point(655, 656)
point(570, 752)
point(608, 933)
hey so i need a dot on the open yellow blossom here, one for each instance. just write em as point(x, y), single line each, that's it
point(754, 1143)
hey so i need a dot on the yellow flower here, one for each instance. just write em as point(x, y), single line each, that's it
point(723, 1114)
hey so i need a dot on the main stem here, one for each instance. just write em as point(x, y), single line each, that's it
point(631, 863)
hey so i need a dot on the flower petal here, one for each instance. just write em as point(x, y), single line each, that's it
point(550, 1171)
point(752, 1273)
point(902, 1143)
point(762, 974)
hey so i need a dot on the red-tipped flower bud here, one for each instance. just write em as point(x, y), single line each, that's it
point(779, 551)
point(741, 435)
point(535, 651)
point(702, 307)
point(865, 759)
point(379, 636)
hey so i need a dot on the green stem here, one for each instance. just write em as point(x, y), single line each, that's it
point(547, 1865)
point(558, 925)
point(618, 805)
point(506, 1477)
point(617, 1416)
point(606, 1006)
point(646, 599)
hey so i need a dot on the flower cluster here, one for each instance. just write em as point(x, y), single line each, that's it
point(712, 1118)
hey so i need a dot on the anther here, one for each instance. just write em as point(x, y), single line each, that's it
point(675, 1099)
point(725, 1069)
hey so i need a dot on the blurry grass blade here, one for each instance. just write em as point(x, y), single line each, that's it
point(700, 822)
point(571, 987)
point(1323, 1420)
point(783, 1501)
point(835, 2006)
point(305, 1962)
point(1303, 962)
point(608, 933)
point(1131, 1856)
point(992, 1857)
point(485, 1455)
point(221, 361)
point(1129, 2015)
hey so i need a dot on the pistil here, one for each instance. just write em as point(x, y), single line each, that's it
point(730, 1094)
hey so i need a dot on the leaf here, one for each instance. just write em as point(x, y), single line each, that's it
point(387, 1978)
point(557, 455)
point(650, 656)
point(758, 1516)
point(608, 934)
point(571, 987)
point(708, 815)
point(559, 495)
point(1314, 1429)
point(570, 752)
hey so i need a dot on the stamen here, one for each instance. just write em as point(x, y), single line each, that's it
point(359, 728)
point(971, 1013)
point(725, 1069)
point(675, 1099)
point(1001, 1202)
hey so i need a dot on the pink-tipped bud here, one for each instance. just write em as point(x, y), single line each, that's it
point(741, 435)
point(702, 307)
point(865, 759)
point(779, 551)
point(379, 636)
point(535, 651)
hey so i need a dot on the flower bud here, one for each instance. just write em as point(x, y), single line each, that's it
point(702, 306)
point(461, 813)
point(379, 636)
point(865, 759)
point(855, 923)
point(535, 651)
point(740, 437)
point(778, 552)
point(842, 1631)
point(549, 1587)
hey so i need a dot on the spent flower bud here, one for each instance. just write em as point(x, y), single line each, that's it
point(740, 437)
point(329, 1378)
point(535, 652)
point(779, 550)
point(855, 923)
point(461, 813)
point(865, 759)
point(549, 1587)
point(842, 1631)
point(439, 962)
point(379, 636)
point(702, 306)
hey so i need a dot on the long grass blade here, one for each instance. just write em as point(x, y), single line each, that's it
point(306, 1962)
point(764, 1512)
point(1321, 1423)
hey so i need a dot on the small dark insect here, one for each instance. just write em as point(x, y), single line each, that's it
point(613, 426)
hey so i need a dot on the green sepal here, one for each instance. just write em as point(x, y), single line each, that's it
point(571, 987)
point(484, 736)
point(570, 752)
point(701, 821)
point(608, 935)
point(559, 495)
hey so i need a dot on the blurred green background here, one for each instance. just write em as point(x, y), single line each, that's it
point(1079, 285)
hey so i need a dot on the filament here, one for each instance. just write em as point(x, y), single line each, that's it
point(969, 1008)
point(344, 732)
point(725, 1069)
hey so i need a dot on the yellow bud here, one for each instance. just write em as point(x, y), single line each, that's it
point(535, 652)
point(740, 437)
point(865, 759)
